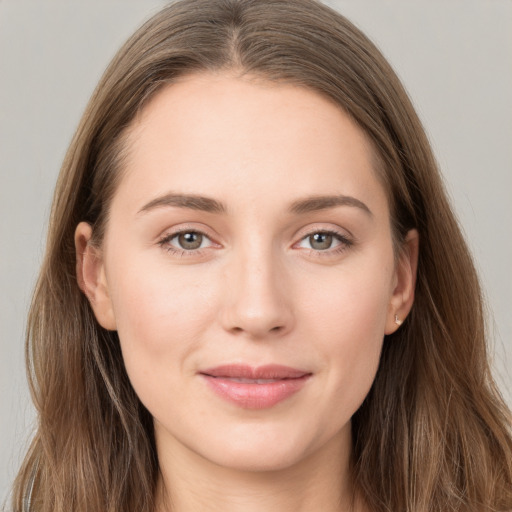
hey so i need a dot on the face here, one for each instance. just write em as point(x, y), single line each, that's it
point(248, 267)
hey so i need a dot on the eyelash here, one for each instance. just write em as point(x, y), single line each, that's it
point(345, 243)
point(164, 242)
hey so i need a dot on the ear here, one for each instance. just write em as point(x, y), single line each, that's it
point(404, 283)
point(90, 273)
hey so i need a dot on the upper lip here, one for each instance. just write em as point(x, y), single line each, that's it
point(243, 371)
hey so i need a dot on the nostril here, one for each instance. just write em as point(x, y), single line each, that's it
point(277, 328)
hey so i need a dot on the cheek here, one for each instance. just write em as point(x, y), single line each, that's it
point(161, 318)
point(352, 300)
point(347, 316)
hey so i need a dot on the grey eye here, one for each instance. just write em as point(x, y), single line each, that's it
point(190, 241)
point(320, 241)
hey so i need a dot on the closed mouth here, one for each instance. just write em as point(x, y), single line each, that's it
point(255, 387)
point(258, 375)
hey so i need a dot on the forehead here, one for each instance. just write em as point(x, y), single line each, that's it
point(215, 134)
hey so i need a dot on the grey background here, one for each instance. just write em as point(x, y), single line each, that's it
point(454, 56)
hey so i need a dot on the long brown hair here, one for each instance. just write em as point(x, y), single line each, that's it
point(432, 435)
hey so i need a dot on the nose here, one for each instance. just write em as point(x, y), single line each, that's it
point(258, 300)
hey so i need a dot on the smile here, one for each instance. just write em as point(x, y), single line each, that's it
point(255, 388)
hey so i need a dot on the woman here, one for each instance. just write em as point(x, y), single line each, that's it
point(255, 295)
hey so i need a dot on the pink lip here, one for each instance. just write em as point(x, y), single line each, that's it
point(251, 393)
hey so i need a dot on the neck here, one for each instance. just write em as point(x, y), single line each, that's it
point(320, 481)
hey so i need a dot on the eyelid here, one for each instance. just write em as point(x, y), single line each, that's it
point(187, 228)
point(344, 237)
point(333, 229)
point(335, 236)
point(169, 234)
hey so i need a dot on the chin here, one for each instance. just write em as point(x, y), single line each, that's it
point(266, 450)
point(255, 461)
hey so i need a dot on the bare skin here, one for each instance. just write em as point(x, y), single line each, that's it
point(249, 227)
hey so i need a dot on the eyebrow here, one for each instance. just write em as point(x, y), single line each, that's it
point(317, 203)
point(207, 204)
point(192, 202)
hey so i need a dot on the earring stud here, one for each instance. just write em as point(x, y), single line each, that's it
point(398, 321)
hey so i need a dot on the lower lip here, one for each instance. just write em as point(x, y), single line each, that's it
point(255, 396)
